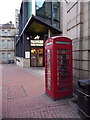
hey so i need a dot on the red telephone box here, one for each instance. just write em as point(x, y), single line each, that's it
point(58, 67)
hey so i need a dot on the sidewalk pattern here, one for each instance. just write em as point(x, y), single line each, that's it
point(24, 97)
point(0, 91)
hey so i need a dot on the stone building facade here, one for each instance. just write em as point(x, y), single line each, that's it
point(75, 23)
point(7, 36)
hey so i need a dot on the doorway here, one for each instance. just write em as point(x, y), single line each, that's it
point(37, 57)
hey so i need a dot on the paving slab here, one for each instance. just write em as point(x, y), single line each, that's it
point(24, 96)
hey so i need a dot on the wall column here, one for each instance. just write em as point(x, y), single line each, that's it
point(49, 33)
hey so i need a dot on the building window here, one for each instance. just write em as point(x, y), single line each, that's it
point(9, 32)
point(55, 13)
point(3, 43)
point(49, 11)
point(8, 56)
point(9, 44)
point(39, 4)
point(3, 56)
point(43, 10)
point(2, 32)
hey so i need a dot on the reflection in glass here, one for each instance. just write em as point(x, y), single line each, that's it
point(36, 57)
point(63, 51)
point(48, 51)
point(48, 69)
point(64, 78)
point(48, 61)
point(44, 11)
point(64, 72)
point(63, 56)
point(39, 4)
point(48, 11)
point(64, 62)
point(56, 13)
point(64, 67)
point(48, 56)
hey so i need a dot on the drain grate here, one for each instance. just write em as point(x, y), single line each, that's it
point(16, 92)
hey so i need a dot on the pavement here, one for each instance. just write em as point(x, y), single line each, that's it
point(23, 96)
point(0, 91)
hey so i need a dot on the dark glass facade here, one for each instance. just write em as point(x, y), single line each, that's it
point(48, 11)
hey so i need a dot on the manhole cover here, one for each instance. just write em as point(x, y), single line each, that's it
point(16, 92)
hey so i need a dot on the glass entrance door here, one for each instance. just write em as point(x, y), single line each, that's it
point(36, 57)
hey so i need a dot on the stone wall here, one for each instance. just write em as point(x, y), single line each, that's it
point(23, 62)
point(76, 25)
point(5, 56)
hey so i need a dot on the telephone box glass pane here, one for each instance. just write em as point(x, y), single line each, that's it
point(48, 69)
point(64, 62)
point(63, 69)
point(63, 51)
point(48, 61)
point(63, 56)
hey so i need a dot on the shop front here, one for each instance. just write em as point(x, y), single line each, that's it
point(38, 31)
point(37, 57)
point(37, 52)
point(30, 46)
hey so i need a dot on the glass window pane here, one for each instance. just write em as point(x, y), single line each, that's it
point(49, 11)
point(9, 44)
point(3, 56)
point(8, 56)
point(3, 44)
point(63, 56)
point(43, 10)
point(64, 62)
point(9, 32)
point(56, 10)
point(2, 32)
